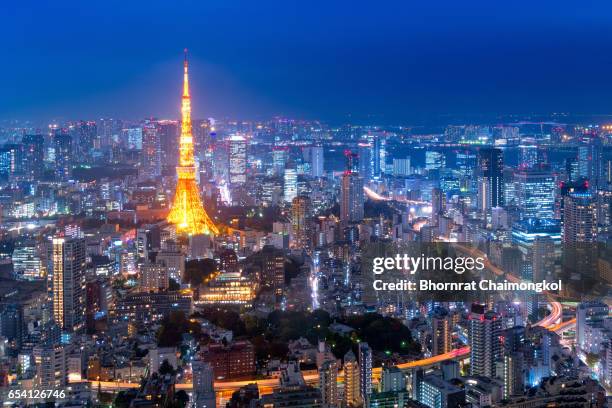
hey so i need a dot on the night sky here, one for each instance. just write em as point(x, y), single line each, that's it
point(377, 61)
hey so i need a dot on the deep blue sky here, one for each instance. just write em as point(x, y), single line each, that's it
point(390, 60)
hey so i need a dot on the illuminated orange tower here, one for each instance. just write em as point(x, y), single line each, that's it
point(187, 211)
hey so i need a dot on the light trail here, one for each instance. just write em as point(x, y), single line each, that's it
point(377, 197)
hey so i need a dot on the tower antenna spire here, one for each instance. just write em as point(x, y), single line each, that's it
point(187, 212)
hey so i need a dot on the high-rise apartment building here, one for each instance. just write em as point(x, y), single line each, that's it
point(68, 283)
point(484, 339)
point(490, 179)
point(150, 155)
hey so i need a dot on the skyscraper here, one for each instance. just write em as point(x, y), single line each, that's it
point(290, 180)
point(441, 323)
point(484, 339)
point(351, 380)
point(438, 205)
point(10, 161)
point(378, 145)
point(237, 160)
point(187, 211)
point(86, 137)
point(490, 179)
point(279, 159)
point(317, 159)
point(579, 219)
point(63, 156)
point(590, 160)
point(513, 374)
point(364, 151)
point(535, 193)
point(33, 156)
point(150, 155)
point(351, 192)
point(300, 220)
point(168, 131)
point(588, 313)
point(328, 383)
point(365, 371)
point(68, 283)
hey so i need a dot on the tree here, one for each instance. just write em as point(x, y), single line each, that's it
point(197, 270)
point(172, 328)
point(181, 398)
point(173, 285)
point(166, 368)
point(592, 359)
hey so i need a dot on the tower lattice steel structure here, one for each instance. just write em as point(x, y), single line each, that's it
point(187, 211)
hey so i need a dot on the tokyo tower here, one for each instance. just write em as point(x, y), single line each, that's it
point(187, 211)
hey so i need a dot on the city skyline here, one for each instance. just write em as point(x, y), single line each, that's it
point(333, 209)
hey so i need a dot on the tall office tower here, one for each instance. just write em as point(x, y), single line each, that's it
point(590, 160)
point(63, 156)
point(317, 159)
point(378, 145)
point(535, 193)
point(401, 167)
point(279, 159)
point(68, 284)
point(588, 313)
point(290, 180)
point(300, 222)
point(438, 205)
point(365, 371)
point(168, 131)
point(104, 131)
point(328, 384)
point(33, 156)
point(10, 161)
point(132, 137)
point(203, 385)
point(351, 371)
point(528, 155)
point(51, 370)
point(442, 328)
point(351, 192)
point(467, 162)
point(86, 133)
point(514, 375)
point(393, 379)
point(434, 160)
point(237, 160)
point(364, 151)
point(484, 338)
point(187, 212)
point(490, 179)
point(150, 155)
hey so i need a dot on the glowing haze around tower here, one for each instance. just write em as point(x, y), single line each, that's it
point(187, 211)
